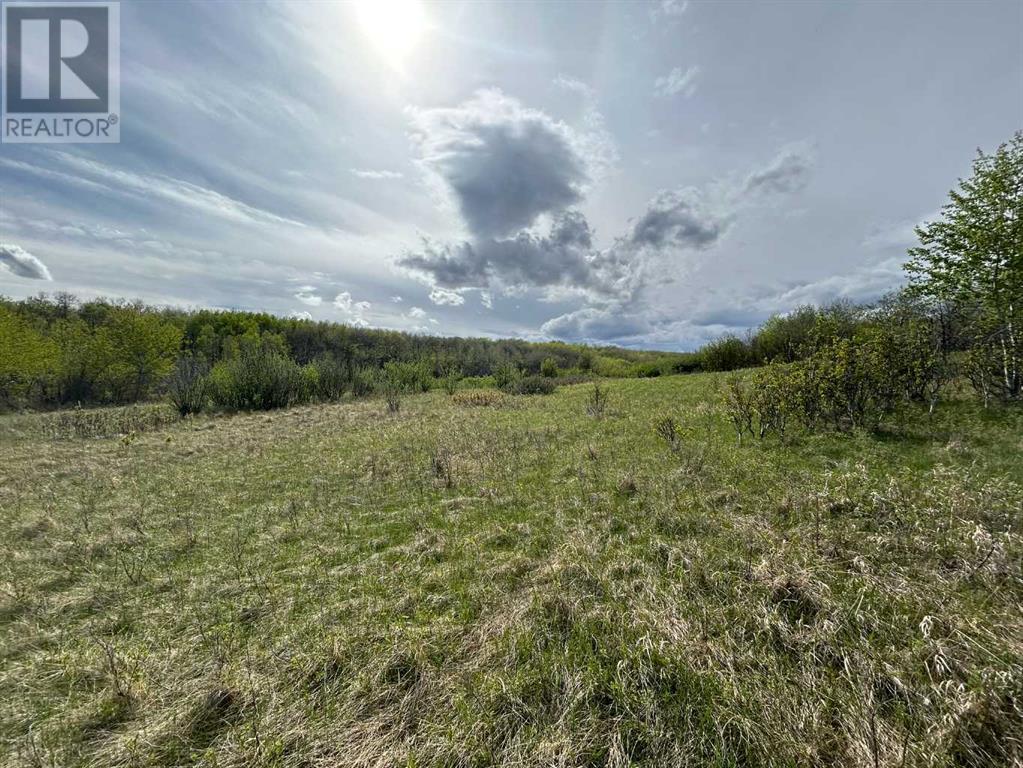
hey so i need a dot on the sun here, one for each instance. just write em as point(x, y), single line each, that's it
point(393, 27)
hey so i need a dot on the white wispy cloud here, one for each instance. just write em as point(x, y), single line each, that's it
point(373, 174)
point(96, 176)
point(678, 81)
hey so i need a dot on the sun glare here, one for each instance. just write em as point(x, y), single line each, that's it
point(393, 27)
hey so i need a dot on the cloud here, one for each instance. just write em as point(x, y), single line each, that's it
point(352, 311)
point(503, 163)
point(900, 235)
point(566, 261)
point(669, 9)
point(21, 263)
point(306, 295)
point(442, 297)
point(788, 172)
point(596, 324)
point(681, 219)
point(863, 285)
point(299, 315)
point(417, 312)
point(164, 189)
point(576, 86)
point(371, 174)
point(564, 258)
point(397, 299)
point(613, 281)
point(677, 81)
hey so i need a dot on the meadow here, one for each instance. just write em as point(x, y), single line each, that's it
point(511, 580)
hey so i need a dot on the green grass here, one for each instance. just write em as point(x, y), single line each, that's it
point(516, 584)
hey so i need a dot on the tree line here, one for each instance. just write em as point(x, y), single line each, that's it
point(57, 351)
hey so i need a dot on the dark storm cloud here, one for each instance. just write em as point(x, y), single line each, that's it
point(679, 219)
point(563, 258)
point(504, 164)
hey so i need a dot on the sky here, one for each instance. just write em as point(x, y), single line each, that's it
point(652, 175)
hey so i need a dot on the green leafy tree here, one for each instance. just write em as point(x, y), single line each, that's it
point(726, 354)
point(143, 347)
point(973, 256)
point(26, 356)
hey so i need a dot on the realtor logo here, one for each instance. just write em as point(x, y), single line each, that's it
point(61, 75)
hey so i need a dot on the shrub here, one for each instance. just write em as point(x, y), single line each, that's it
point(596, 402)
point(611, 367)
point(687, 363)
point(847, 384)
point(310, 383)
point(726, 354)
point(334, 377)
point(648, 370)
point(506, 375)
point(258, 377)
point(408, 377)
point(549, 368)
point(739, 406)
point(478, 397)
point(669, 431)
point(394, 381)
point(533, 385)
point(452, 375)
point(189, 384)
point(364, 381)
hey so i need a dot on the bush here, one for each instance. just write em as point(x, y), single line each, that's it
point(549, 368)
point(596, 403)
point(670, 432)
point(334, 377)
point(409, 377)
point(648, 370)
point(533, 385)
point(364, 381)
point(259, 377)
point(506, 375)
point(189, 385)
point(847, 384)
point(310, 383)
point(452, 375)
point(726, 354)
point(688, 363)
point(611, 367)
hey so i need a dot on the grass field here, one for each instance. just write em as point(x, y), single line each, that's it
point(518, 584)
